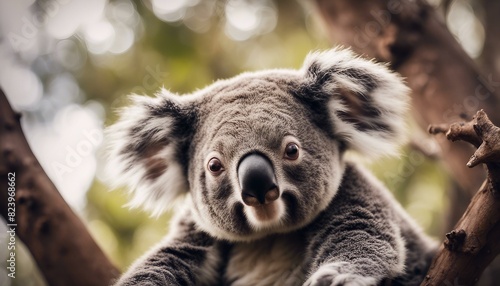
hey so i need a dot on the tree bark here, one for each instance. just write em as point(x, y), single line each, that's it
point(473, 243)
point(59, 242)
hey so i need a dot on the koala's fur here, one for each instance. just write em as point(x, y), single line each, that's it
point(333, 223)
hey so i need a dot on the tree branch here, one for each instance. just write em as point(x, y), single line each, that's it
point(473, 243)
point(55, 236)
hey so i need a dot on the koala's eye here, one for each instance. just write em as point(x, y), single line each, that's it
point(291, 151)
point(215, 166)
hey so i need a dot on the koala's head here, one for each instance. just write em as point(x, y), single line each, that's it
point(262, 152)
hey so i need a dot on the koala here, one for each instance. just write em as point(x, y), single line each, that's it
point(265, 196)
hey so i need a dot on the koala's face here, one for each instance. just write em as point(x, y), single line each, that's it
point(260, 153)
point(259, 162)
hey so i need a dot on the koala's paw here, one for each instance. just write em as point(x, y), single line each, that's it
point(330, 275)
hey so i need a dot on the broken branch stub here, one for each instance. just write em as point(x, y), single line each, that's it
point(474, 240)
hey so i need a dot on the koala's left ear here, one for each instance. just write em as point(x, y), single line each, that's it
point(366, 102)
point(147, 149)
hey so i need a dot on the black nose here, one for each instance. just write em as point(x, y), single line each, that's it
point(257, 180)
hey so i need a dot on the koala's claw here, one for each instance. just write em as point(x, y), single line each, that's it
point(330, 276)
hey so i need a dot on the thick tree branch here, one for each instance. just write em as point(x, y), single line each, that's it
point(55, 236)
point(473, 243)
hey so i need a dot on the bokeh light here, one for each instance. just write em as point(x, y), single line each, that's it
point(25, 95)
point(466, 27)
point(245, 19)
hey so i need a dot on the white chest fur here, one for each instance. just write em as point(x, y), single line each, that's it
point(275, 260)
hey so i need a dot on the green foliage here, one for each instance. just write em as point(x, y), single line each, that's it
point(123, 233)
point(419, 184)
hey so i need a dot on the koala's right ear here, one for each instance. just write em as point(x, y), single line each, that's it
point(147, 149)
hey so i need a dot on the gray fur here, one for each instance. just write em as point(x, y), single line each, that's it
point(332, 225)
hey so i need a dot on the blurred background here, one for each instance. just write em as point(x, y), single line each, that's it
point(68, 64)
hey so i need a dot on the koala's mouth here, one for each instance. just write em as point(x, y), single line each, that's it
point(266, 212)
point(265, 215)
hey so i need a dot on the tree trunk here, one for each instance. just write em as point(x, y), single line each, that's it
point(59, 242)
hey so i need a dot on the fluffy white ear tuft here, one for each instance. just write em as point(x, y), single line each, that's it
point(145, 151)
point(367, 102)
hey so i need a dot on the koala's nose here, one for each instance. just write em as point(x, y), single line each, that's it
point(257, 180)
